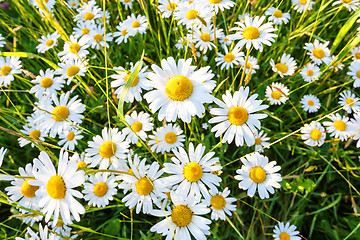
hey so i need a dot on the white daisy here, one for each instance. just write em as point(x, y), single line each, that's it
point(80, 159)
point(259, 174)
point(133, 163)
point(277, 93)
point(251, 64)
point(183, 219)
point(44, 234)
point(318, 52)
point(220, 204)
point(127, 3)
point(8, 67)
point(111, 148)
point(237, 117)
point(354, 72)
point(69, 137)
point(139, 84)
point(84, 30)
point(167, 139)
point(56, 189)
point(337, 65)
point(180, 90)
point(73, 4)
point(251, 32)
point(302, 5)
point(99, 39)
point(277, 16)
point(310, 103)
point(189, 14)
point(89, 12)
point(34, 132)
point(286, 66)
point(105, 18)
point(46, 84)
point(47, 42)
point(313, 134)
point(136, 24)
point(100, 189)
point(229, 59)
point(192, 171)
point(338, 127)
point(349, 101)
point(140, 124)
point(184, 42)
point(310, 72)
point(225, 40)
point(49, 4)
point(61, 228)
point(286, 231)
point(71, 68)
point(167, 7)
point(261, 140)
point(204, 37)
point(122, 33)
point(74, 49)
point(355, 52)
point(217, 5)
point(2, 155)
point(351, 5)
point(354, 128)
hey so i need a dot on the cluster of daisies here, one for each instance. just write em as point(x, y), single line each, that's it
point(185, 189)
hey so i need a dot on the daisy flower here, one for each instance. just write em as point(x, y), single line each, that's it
point(147, 187)
point(183, 219)
point(8, 67)
point(127, 3)
point(61, 228)
point(237, 117)
point(71, 68)
point(136, 24)
point(310, 72)
point(277, 16)
point(354, 72)
point(310, 103)
point(84, 30)
point(261, 140)
point(302, 5)
point(355, 52)
point(167, 7)
point(111, 148)
point(99, 39)
point(69, 137)
point(351, 5)
point(184, 42)
point(220, 204)
point(34, 132)
point(61, 116)
point(74, 4)
point(2, 42)
point(318, 52)
point(338, 126)
point(49, 4)
point(47, 42)
point(180, 90)
point(218, 5)
point(167, 139)
point(286, 66)
point(89, 12)
point(74, 49)
point(188, 14)
point(80, 159)
point(225, 40)
point(251, 32)
point(250, 65)
point(286, 231)
point(349, 101)
point(205, 36)
point(46, 84)
point(133, 163)
point(354, 128)
point(105, 18)
point(122, 33)
point(192, 171)
point(56, 189)
point(100, 189)
point(44, 234)
point(229, 59)
point(2, 154)
point(140, 124)
point(259, 174)
point(277, 93)
point(313, 134)
point(139, 84)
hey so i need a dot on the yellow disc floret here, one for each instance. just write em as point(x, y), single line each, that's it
point(218, 202)
point(284, 236)
point(124, 32)
point(170, 138)
point(257, 141)
point(229, 57)
point(74, 48)
point(171, 6)
point(107, 149)
point(281, 67)
point(5, 70)
point(205, 37)
point(251, 33)
point(193, 172)
point(315, 134)
point(89, 16)
point(276, 95)
point(257, 174)
point(278, 13)
point(101, 189)
point(46, 82)
point(72, 71)
point(60, 113)
point(35, 134)
point(347, 1)
point(192, 14)
point(137, 126)
point(135, 24)
point(350, 101)
point(318, 53)
point(28, 190)
point(144, 186)
point(238, 116)
point(85, 31)
point(215, 1)
point(181, 215)
point(311, 103)
point(49, 43)
point(358, 74)
point(303, 2)
point(340, 125)
point(56, 187)
point(357, 55)
point(70, 136)
point(81, 164)
point(310, 72)
point(179, 88)
point(98, 37)
point(135, 82)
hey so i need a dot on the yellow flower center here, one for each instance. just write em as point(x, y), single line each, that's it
point(276, 95)
point(257, 141)
point(124, 32)
point(181, 215)
point(315, 134)
point(60, 113)
point(248, 65)
point(278, 14)
point(126, 1)
point(193, 172)
point(35, 134)
point(205, 37)
point(70, 136)
point(144, 186)
point(340, 125)
point(346, 1)
point(28, 190)
point(251, 33)
point(350, 101)
point(218, 202)
point(72, 71)
point(311, 103)
point(257, 174)
point(358, 74)
point(74, 48)
point(100, 189)
point(56, 187)
point(73, 4)
point(81, 164)
point(103, 19)
point(284, 236)
point(318, 53)
point(215, 1)
point(49, 42)
point(135, 82)
point(131, 171)
point(46, 82)
point(135, 24)
point(5, 70)
point(171, 7)
point(170, 138)
point(238, 116)
point(310, 72)
point(357, 55)
point(229, 57)
point(107, 149)
point(179, 88)
point(59, 224)
point(184, 42)
point(192, 14)
point(281, 67)
point(137, 126)
point(226, 39)
point(303, 2)
point(85, 31)
point(89, 16)
point(98, 37)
